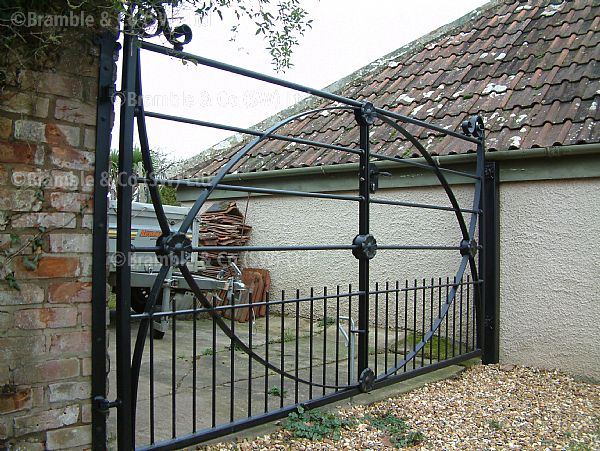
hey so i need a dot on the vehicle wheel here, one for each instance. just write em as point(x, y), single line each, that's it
point(139, 297)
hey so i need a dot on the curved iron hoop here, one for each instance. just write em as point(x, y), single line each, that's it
point(153, 296)
point(239, 155)
point(146, 158)
point(440, 175)
point(231, 335)
point(466, 232)
point(140, 340)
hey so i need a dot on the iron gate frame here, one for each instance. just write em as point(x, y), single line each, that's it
point(484, 212)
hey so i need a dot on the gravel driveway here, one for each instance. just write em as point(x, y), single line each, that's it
point(486, 407)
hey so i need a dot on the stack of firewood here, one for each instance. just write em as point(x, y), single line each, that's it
point(222, 225)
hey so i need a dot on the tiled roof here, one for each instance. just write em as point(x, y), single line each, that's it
point(531, 69)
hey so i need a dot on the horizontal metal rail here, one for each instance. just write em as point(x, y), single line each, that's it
point(388, 380)
point(248, 131)
point(248, 189)
point(295, 86)
point(420, 248)
point(225, 429)
point(324, 247)
point(246, 305)
point(410, 162)
point(418, 205)
point(245, 423)
point(425, 287)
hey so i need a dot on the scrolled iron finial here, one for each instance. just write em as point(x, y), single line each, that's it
point(151, 21)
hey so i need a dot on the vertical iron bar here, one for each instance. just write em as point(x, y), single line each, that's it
point(387, 311)
point(214, 375)
point(474, 318)
point(297, 349)
point(396, 325)
point(104, 108)
point(363, 262)
point(324, 338)
point(173, 376)
point(454, 320)
point(447, 320)
point(467, 316)
point(439, 334)
point(490, 260)
point(194, 368)
point(415, 323)
point(151, 380)
point(125, 426)
point(405, 319)
point(337, 337)
point(310, 344)
point(349, 332)
point(267, 314)
point(282, 350)
point(376, 327)
point(431, 322)
point(250, 320)
point(423, 324)
point(232, 312)
point(460, 321)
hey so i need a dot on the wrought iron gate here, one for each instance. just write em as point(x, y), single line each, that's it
point(435, 323)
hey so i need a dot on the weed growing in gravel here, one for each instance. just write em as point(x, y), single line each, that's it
point(316, 425)
point(576, 446)
point(397, 429)
point(278, 392)
point(288, 336)
point(495, 425)
point(235, 346)
point(208, 351)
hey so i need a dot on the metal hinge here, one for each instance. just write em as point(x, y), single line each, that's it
point(103, 405)
point(107, 93)
point(374, 174)
point(488, 172)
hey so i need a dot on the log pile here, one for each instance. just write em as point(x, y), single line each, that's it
point(222, 225)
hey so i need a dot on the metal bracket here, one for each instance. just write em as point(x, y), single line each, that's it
point(473, 126)
point(366, 380)
point(175, 249)
point(107, 93)
point(374, 174)
point(366, 115)
point(468, 248)
point(367, 246)
point(103, 405)
point(489, 172)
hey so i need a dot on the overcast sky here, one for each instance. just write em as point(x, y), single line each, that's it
point(346, 35)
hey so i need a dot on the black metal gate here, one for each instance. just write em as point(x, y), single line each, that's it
point(403, 328)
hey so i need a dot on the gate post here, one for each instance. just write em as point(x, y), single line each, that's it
point(108, 44)
point(125, 438)
point(490, 261)
point(364, 117)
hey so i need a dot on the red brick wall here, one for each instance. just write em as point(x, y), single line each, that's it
point(47, 133)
